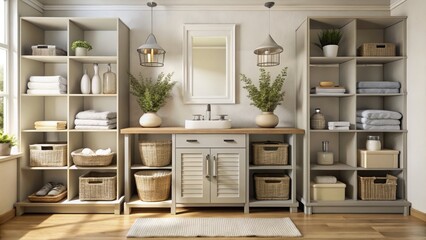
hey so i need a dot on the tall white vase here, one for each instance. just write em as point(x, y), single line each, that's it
point(85, 84)
point(150, 120)
point(267, 120)
point(96, 80)
point(330, 50)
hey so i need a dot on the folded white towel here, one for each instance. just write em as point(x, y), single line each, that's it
point(378, 90)
point(378, 114)
point(378, 84)
point(93, 115)
point(47, 86)
point(84, 127)
point(379, 122)
point(48, 79)
point(326, 179)
point(45, 92)
point(337, 128)
point(364, 126)
point(339, 124)
point(89, 122)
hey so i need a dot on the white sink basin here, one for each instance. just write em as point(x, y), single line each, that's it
point(202, 124)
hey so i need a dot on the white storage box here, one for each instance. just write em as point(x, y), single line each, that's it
point(378, 159)
point(328, 192)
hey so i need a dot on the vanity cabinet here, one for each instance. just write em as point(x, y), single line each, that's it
point(210, 168)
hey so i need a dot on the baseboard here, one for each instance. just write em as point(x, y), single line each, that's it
point(418, 214)
point(7, 216)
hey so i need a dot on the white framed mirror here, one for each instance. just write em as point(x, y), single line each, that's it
point(209, 63)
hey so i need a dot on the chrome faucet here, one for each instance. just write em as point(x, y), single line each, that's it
point(208, 113)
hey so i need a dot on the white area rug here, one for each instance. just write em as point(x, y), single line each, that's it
point(213, 227)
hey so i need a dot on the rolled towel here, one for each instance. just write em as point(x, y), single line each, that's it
point(364, 126)
point(47, 86)
point(87, 151)
point(96, 127)
point(378, 84)
point(45, 92)
point(378, 90)
point(94, 115)
point(103, 151)
point(48, 79)
point(89, 122)
point(326, 179)
point(378, 114)
point(379, 122)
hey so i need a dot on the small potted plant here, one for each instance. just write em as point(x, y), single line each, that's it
point(151, 96)
point(329, 41)
point(81, 47)
point(266, 97)
point(6, 143)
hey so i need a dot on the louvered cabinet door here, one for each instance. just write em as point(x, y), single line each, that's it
point(192, 180)
point(228, 175)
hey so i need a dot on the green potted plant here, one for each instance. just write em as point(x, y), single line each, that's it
point(151, 96)
point(329, 41)
point(81, 47)
point(267, 96)
point(6, 143)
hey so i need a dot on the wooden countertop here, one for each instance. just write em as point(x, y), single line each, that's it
point(13, 156)
point(174, 130)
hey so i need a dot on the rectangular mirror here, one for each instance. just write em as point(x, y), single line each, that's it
point(209, 63)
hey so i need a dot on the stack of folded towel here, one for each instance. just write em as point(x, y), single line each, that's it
point(379, 87)
point(326, 179)
point(378, 120)
point(92, 119)
point(338, 125)
point(50, 125)
point(46, 85)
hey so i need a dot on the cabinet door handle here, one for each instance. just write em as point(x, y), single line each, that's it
point(207, 165)
point(214, 166)
point(229, 140)
point(191, 140)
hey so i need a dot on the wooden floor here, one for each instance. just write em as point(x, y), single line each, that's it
point(316, 226)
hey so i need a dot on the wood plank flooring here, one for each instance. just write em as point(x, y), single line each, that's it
point(316, 226)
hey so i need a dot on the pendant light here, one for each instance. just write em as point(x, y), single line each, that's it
point(150, 53)
point(268, 53)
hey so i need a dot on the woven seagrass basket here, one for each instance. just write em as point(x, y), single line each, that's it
point(153, 185)
point(377, 188)
point(156, 153)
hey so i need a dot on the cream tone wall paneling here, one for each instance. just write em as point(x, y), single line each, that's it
point(61, 32)
point(346, 70)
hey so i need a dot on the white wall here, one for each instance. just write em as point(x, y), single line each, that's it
point(416, 111)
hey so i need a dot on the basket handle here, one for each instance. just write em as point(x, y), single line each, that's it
point(46, 148)
point(272, 181)
point(95, 182)
point(380, 46)
point(270, 149)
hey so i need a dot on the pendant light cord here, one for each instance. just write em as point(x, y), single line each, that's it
point(152, 5)
point(269, 5)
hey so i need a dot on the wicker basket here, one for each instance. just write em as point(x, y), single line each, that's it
point(377, 188)
point(156, 154)
point(270, 153)
point(153, 185)
point(272, 186)
point(98, 186)
point(377, 49)
point(84, 160)
point(48, 155)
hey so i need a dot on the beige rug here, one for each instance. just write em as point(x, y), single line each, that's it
point(213, 227)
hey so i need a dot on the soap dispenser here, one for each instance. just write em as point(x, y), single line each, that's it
point(325, 157)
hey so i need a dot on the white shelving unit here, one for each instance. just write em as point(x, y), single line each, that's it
point(346, 70)
point(61, 32)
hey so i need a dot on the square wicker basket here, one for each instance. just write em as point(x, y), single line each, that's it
point(272, 186)
point(377, 188)
point(98, 186)
point(48, 155)
point(377, 49)
point(270, 153)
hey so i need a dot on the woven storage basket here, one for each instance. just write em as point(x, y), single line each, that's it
point(156, 154)
point(377, 188)
point(98, 186)
point(270, 153)
point(48, 155)
point(83, 160)
point(377, 49)
point(153, 185)
point(272, 186)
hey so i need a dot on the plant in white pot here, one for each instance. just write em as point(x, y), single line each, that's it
point(81, 47)
point(6, 143)
point(151, 96)
point(266, 97)
point(329, 41)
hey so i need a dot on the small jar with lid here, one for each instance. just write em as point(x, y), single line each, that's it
point(373, 143)
point(317, 120)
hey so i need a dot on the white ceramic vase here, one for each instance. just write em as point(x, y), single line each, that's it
point(267, 120)
point(330, 50)
point(5, 149)
point(85, 84)
point(96, 80)
point(150, 120)
point(79, 51)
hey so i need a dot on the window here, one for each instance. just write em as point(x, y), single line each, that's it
point(4, 56)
